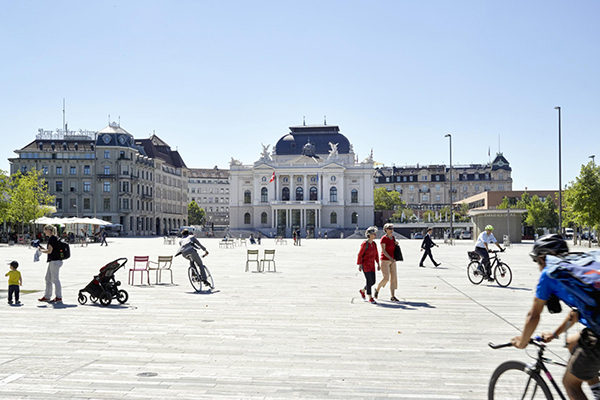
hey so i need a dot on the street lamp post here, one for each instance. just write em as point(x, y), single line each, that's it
point(559, 175)
point(451, 204)
point(593, 157)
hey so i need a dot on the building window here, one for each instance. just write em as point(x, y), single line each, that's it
point(126, 187)
point(423, 177)
point(106, 153)
point(404, 179)
point(73, 170)
point(247, 197)
point(476, 177)
point(285, 194)
point(477, 188)
point(58, 170)
point(24, 169)
point(500, 175)
point(313, 194)
point(425, 197)
point(500, 187)
point(59, 204)
point(437, 178)
point(438, 188)
point(264, 195)
point(86, 170)
point(299, 194)
point(263, 218)
point(106, 204)
point(87, 186)
point(411, 199)
point(87, 204)
point(106, 170)
point(333, 194)
point(465, 188)
point(437, 198)
point(354, 218)
point(411, 188)
point(247, 219)
point(333, 218)
point(410, 178)
point(59, 186)
point(45, 170)
point(354, 196)
point(487, 176)
point(106, 187)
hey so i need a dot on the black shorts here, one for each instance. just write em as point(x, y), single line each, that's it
point(584, 363)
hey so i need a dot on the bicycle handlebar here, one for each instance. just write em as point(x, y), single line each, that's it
point(537, 341)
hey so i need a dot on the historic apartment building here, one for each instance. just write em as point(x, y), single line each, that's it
point(140, 184)
point(427, 187)
point(209, 188)
point(310, 181)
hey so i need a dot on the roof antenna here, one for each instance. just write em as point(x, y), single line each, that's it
point(304, 121)
point(325, 119)
point(108, 119)
point(64, 123)
point(499, 143)
point(119, 121)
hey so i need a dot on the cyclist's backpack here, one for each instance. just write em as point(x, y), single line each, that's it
point(63, 250)
point(580, 276)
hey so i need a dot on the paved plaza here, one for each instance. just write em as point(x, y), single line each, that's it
point(300, 332)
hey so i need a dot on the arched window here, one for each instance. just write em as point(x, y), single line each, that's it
point(354, 218)
point(285, 194)
point(333, 218)
point(264, 195)
point(354, 196)
point(247, 197)
point(263, 218)
point(313, 194)
point(333, 194)
point(247, 218)
point(299, 194)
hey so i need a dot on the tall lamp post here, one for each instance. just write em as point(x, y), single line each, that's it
point(451, 203)
point(559, 175)
point(593, 157)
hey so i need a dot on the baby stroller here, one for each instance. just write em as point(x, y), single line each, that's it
point(104, 287)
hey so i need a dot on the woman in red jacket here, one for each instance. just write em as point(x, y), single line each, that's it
point(367, 257)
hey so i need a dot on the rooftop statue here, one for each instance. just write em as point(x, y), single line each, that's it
point(333, 152)
point(265, 152)
point(235, 162)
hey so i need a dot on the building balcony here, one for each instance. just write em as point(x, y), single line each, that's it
point(298, 202)
point(424, 190)
point(106, 176)
point(146, 196)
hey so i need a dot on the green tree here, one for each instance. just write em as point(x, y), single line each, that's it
point(582, 198)
point(505, 204)
point(196, 215)
point(535, 213)
point(385, 200)
point(28, 195)
point(4, 195)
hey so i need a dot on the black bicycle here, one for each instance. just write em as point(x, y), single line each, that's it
point(501, 272)
point(518, 380)
point(195, 277)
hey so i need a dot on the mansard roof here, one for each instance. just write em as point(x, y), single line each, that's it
point(155, 147)
point(500, 163)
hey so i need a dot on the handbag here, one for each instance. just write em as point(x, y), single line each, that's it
point(397, 253)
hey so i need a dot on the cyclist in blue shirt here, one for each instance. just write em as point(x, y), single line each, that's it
point(584, 362)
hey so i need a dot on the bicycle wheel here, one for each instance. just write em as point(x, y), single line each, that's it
point(475, 272)
point(195, 278)
point(503, 274)
point(209, 278)
point(513, 380)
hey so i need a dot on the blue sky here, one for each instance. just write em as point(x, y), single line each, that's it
point(216, 78)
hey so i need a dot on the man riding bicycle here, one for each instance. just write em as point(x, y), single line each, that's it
point(188, 245)
point(482, 248)
point(584, 363)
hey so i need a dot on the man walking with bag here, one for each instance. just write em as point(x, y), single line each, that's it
point(426, 245)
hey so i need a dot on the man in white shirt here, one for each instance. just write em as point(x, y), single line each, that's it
point(482, 248)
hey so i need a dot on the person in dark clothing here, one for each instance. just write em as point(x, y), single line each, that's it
point(426, 245)
point(103, 236)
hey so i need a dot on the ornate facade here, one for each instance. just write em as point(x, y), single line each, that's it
point(310, 181)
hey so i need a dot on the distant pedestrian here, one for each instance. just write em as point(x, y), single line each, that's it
point(388, 263)
point(14, 282)
point(367, 257)
point(295, 235)
point(426, 245)
point(103, 236)
point(54, 264)
point(298, 237)
point(325, 235)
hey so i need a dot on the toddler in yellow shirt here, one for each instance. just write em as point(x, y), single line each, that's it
point(14, 282)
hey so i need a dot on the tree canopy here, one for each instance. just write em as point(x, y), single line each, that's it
point(196, 215)
point(582, 198)
point(28, 194)
point(385, 200)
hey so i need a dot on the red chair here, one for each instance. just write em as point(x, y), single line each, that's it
point(141, 264)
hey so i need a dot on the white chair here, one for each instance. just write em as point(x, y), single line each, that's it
point(268, 257)
point(164, 263)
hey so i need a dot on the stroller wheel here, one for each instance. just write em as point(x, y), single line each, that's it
point(82, 298)
point(122, 296)
point(105, 299)
point(94, 299)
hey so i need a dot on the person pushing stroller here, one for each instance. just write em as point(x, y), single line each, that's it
point(188, 245)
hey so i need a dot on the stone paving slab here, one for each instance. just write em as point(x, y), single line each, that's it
point(300, 332)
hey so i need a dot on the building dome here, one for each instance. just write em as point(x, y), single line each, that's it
point(316, 137)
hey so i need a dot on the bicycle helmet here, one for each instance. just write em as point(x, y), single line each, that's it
point(489, 228)
point(549, 244)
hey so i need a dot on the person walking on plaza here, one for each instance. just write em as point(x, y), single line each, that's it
point(54, 264)
point(482, 248)
point(388, 263)
point(367, 257)
point(298, 236)
point(295, 237)
point(103, 236)
point(14, 282)
point(426, 245)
